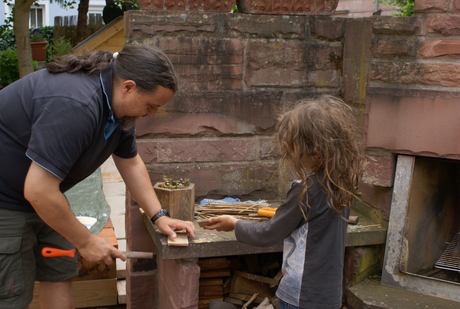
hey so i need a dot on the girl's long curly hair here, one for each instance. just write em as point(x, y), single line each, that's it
point(323, 128)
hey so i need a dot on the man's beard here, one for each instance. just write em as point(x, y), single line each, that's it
point(126, 123)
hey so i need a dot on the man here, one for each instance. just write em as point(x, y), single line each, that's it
point(57, 126)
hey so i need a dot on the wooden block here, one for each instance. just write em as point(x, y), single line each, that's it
point(212, 281)
point(91, 271)
point(121, 290)
point(241, 284)
point(211, 291)
point(90, 293)
point(257, 278)
point(213, 263)
point(121, 265)
point(215, 273)
point(202, 223)
point(246, 297)
point(181, 240)
point(178, 202)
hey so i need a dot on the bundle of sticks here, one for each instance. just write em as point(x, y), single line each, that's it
point(246, 211)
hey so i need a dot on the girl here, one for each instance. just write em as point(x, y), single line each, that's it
point(319, 140)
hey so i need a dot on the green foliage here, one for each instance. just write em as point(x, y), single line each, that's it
point(404, 7)
point(9, 69)
point(7, 39)
point(58, 47)
point(127, 4)
point(234, 9)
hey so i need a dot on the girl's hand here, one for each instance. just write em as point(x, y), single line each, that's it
point(222, 223)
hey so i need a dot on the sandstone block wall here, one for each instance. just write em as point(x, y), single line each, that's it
point(237, 72)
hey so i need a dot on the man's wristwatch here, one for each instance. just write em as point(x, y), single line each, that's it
point(161, 213)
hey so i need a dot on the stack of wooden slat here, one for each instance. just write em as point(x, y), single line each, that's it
point(214, 273)
point(239, 280)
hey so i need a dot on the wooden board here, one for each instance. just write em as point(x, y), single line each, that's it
point(242, 285)
point(181, 240)
point(211, 281)
point(213, 263)
point(180, 203)
point(90, 293)
point(121, 289)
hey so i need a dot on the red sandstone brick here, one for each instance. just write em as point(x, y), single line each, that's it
point(325, 78)
point(431, 5)
point(397, 25)
point(326, 27)
point(273, 26)
point(444, 24)
point(394, 47)
point(224, 150)
point(435, 74)
point(214, 114)
point(440, 49)
point(141, 289)
point(201, 51)
point(287, 64)
point(249, 179)
point(419, 125)
point(145, 24)
point(180, 283)
point(379, 198)
point(210, 77)
point(456, 5)
point(379, 169)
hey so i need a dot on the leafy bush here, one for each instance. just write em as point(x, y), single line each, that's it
point(404, 7)
point(9, 69)
point(58, 47)
point(7, 39)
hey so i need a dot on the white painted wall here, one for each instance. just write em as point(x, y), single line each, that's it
point(51, 10)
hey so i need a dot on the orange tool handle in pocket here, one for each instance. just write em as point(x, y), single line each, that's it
point(52, 252)
point(266, 212)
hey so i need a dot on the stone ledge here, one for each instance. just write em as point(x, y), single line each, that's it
point(212, 243)
point(369, 294)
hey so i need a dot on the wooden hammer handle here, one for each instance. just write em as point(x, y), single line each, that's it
point(138, 255)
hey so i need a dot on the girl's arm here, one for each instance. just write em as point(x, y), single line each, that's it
point(222, 223)
point(287, 218)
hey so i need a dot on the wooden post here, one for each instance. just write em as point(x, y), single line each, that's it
point(180, 203)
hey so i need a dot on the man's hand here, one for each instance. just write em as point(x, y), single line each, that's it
point(168, 225)
point(98, 249)
point(222, 223)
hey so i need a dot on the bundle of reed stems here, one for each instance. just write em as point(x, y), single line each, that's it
point(246, 211)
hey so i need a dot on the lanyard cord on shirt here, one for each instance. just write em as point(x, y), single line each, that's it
point(112, 122)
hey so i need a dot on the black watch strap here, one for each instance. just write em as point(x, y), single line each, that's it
point(161, 213)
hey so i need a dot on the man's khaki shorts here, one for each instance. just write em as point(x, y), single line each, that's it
point(22, 237)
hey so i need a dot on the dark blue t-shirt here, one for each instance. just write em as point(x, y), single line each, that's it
point(58, 121)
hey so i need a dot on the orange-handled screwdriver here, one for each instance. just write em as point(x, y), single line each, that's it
point(266, 212)
point(52, 252)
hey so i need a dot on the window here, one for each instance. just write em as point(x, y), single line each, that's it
point(36, 17)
